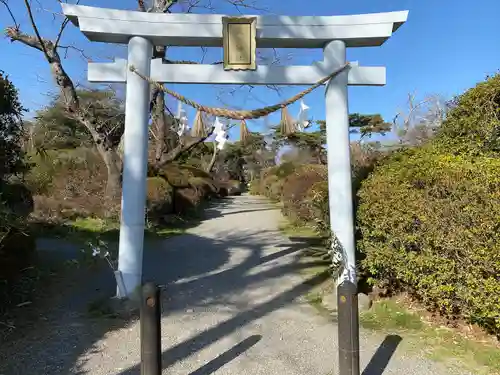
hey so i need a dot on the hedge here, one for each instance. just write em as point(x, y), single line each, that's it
point(298, 204)
point(430, 225)
point(159, 197)
point(272, 179)
point(180, 189)
point(473, 124)
point(17, 245)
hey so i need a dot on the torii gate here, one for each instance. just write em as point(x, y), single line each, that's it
point(141, 31)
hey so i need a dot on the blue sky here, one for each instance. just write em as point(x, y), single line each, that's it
point(444, 48)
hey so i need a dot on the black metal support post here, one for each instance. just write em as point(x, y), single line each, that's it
point(151, 363)
point(348, 323)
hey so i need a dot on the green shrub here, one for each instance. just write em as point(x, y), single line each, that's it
point(11, 129)
point(271, 180)
point(159, 197)
point(17, 246)
point(285, 169)
point(473, 125)
point(364, 158)
point(230, 187)
point(275, 188)
point(430, 225)
point(190, 186)
point(254, 188)
point(296, 186)
point(69, 183)
point(72, 171)
point(317, 195)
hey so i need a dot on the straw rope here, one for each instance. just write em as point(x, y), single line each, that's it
point(244, 132)
point(235, 114)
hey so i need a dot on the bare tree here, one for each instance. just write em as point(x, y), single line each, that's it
point(420, 120)
point(169, 146)
point(106, 140)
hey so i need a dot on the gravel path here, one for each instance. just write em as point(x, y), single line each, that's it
point(233, 304)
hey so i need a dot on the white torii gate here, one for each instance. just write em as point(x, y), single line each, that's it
point(141, 31)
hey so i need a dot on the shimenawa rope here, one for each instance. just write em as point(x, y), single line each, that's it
point(244, 114)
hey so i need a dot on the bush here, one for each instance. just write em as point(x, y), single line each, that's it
point(473, 125)
point(430, 225)
point(317, 195)
point(17, 198)
point(364, 158)
point(190, 186)
point(11, 130)
point(229, 188)
point(271, 180)
point(69, 183)
point(296, 186)
point(254, 187)
point(17, 247)
point(159, 197)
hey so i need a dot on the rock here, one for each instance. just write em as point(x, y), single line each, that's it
point(329, 301)
point(364, 302)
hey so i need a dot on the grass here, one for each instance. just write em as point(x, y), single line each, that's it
point(313, 263)
point(439, 343)
point(313, 249)
point(291, 230)
point(85, 229)
point(388, 315)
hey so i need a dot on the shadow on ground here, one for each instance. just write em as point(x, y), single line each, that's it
point(56, 329)
point(54, 332)
point(383, 355)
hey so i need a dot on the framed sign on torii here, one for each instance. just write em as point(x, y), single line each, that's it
point(239, 43)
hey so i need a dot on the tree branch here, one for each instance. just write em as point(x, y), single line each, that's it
point(61, 30)
point(161, 6)
point(245, 4)
point(16, 25)
point(79, 50)
point(183, 147)
point(35, 28)
point(210, 165)
point(16, 35)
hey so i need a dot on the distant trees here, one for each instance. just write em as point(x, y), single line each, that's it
point(85, 114)
point(309, 146)
point(11, 129)
point(244, 160)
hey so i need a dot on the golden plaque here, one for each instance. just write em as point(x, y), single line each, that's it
point(239, 42)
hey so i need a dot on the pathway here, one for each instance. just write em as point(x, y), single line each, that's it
point(233, 304)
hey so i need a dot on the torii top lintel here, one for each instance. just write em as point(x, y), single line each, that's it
point(117, 26)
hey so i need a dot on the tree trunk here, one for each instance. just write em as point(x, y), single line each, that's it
point(159, 123)
point(210, 166)
point(113, 165)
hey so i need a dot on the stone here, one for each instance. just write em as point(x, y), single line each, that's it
point(329, 301)
point(364, 302)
